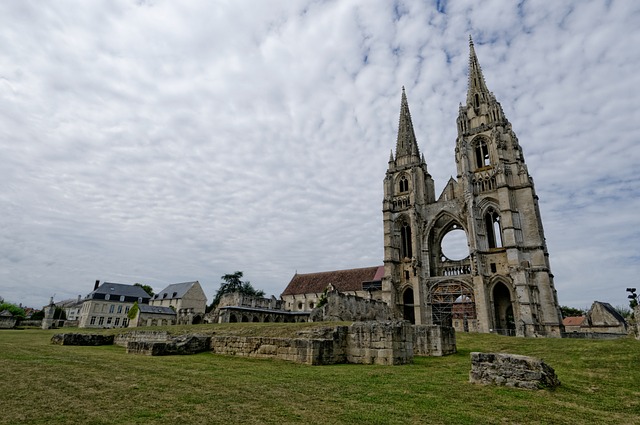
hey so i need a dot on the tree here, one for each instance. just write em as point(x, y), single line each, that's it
point(570, 311)
point(12, 308)
point(233, 283)
point(148, 289)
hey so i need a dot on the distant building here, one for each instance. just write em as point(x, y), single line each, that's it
point(305, 290)
point(573, 323)
point(187, 298)
point(603, 318)
point(150, 315)
point(7, 320)
point(72, 308)
point(109, 304)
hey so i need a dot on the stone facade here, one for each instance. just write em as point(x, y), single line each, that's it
point(499, 280)
point(149, 315)
point(187, 298)
point(181, 345)
point(109, 304)
point(603, 318)
point(512, 371)
point(7, 320)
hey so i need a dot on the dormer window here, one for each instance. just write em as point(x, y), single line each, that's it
point(175, 294)
point(164, 295)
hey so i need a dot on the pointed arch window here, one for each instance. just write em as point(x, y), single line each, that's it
point(482, 154)
point(404, 184)
point(492, 223)
point(405, 241)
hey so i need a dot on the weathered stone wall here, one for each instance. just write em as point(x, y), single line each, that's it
point(593, 335)
point(82, 339)
point(299, 350)
point(350, 308)
point(182, 345)
point(511, 370)
point(147, 336)
point(432, 340)
point(8, 322)
point(386, 343)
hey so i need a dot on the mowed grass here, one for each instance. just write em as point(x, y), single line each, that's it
point(52, 384)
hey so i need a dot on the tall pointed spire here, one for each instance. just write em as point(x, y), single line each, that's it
point(477, 85)
point(406, 144)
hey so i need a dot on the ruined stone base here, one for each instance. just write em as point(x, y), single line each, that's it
point(82, 339)
point(511, 370)
point(182, 345)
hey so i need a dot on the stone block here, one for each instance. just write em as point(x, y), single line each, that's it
point(82, 339)
point(511, 370)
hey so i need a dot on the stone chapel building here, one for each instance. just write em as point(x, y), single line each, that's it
point(502, 283)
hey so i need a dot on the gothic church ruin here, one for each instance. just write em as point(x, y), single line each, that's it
point(502, 283)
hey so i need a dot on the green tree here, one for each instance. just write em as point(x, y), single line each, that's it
point(570, 311)
point(148, 289)
point(12, 308)
point(233, 283)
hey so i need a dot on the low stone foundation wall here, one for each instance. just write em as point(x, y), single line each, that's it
point(341, 307)
point(183, 345)
point(433, 340)
point(593, 335)
point(511, 370)
point(82, 339)
point(141, 336)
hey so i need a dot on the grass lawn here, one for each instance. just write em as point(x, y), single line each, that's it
point(52, 384)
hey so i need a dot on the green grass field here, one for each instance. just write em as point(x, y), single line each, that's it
point(51, 384)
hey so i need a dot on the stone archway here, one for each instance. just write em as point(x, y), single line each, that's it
point(503, 310)
point(408, 312)
point(233, 318)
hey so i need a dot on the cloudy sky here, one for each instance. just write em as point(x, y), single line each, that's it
point(167, 141)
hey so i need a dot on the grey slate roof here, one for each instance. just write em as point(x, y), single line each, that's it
point(146, 308)
point(118, 289)
point(174, 291)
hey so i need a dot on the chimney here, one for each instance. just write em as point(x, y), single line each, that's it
point(96, 285)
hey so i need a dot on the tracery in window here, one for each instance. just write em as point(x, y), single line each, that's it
point(482, 154)
point(404, 184)
point(492, 223)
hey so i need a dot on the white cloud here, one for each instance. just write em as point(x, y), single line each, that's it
point(161, 141)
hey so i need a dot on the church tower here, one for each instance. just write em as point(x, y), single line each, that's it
point(499, 279)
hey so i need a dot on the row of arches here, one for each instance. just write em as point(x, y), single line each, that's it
point(455, 302)
point(258, 318)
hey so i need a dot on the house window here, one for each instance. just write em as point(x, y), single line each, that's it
point(106, 297)
point(108, 321)
point(93, 320)
point(121, 297)
point(101, 321)
point(405, 241)
point(492, 223)
point(126, 310)
point(119, 309)
point(111, 308)
point(125, 322)
point(482, 154)
point(175, 294)
point(117, 322)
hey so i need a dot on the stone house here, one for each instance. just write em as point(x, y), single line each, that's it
point(7, 320)
point(573, 323)
point(304, 291)
point(109, 304)
point(603, 318)
point(151, 315)
point(187, 298)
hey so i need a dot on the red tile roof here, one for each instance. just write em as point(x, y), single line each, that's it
point(342, 280)
point(573, 321)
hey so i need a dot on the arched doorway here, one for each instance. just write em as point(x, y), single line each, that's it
point(451, 302)
point(255, 319)
point(503, 310)
point(233, 318)
point(407, 301)
point(197, 319)
point(245, 318)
